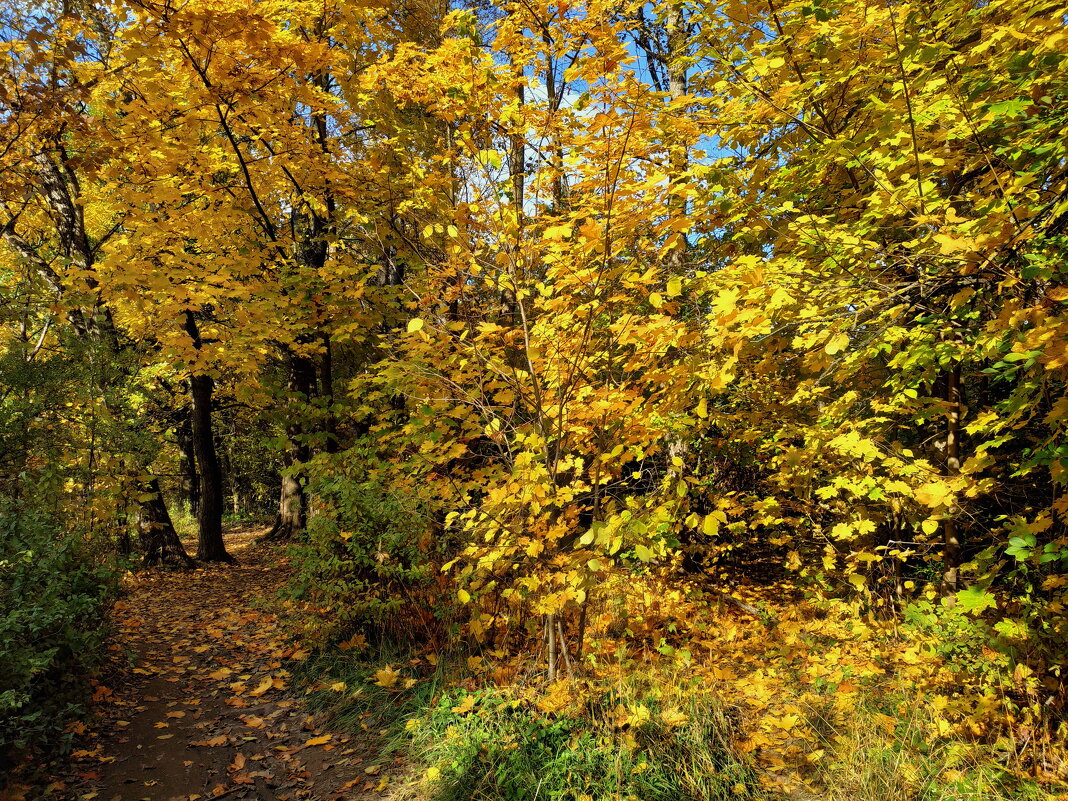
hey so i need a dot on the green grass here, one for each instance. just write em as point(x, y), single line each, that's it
point(504, 749)
point(864, 763)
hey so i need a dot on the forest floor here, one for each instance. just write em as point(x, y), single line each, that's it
point(199, 704)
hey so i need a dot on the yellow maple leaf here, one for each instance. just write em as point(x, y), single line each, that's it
point(933, 493)
point(465, 705)
point(836, 344)
point(386, 677)
point(262, 687)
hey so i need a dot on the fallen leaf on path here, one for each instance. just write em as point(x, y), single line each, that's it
point(322, 740)
point(213, 742)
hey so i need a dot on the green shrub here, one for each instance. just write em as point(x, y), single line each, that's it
point(364, 557)
point(52, 601)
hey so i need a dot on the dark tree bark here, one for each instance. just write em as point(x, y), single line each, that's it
point(326, 382)
point(230, 478)
point(188, 466)
point(210, 545)
point(159, 541)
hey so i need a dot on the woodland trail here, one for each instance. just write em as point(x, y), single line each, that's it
point(205, 708)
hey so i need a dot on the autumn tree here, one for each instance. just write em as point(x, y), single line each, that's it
point(52, 151)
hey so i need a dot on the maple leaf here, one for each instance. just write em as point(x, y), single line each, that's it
point(465, 706)
point(265, 685)
point(386, 677)
point(933, 494)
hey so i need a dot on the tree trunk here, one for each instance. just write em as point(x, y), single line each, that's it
point(159, 540)
point(188, 467)
point(210, 545)
point(550, 632)
point(292, 504)
point(678, 157)
point(230, 479)
point(951, 535)
point(291, 514)
point(326, 382)
point(310, 252)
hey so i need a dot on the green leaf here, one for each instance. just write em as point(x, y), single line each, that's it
point(976, 599)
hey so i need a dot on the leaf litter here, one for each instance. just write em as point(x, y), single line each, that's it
point(205, 710)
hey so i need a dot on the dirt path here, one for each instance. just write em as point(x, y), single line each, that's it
point(206, 709)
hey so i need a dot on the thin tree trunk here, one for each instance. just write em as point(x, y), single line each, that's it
point(226, 458)
point(678, 157)
point(292, 503)
point(188, 467)
point(326, 382)
point(563, 649)
point(551, 634)
point(951, 534)
point(517, 168)
point(582, 628)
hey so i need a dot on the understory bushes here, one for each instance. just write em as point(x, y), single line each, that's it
point(53, 595)
point(365, 556)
